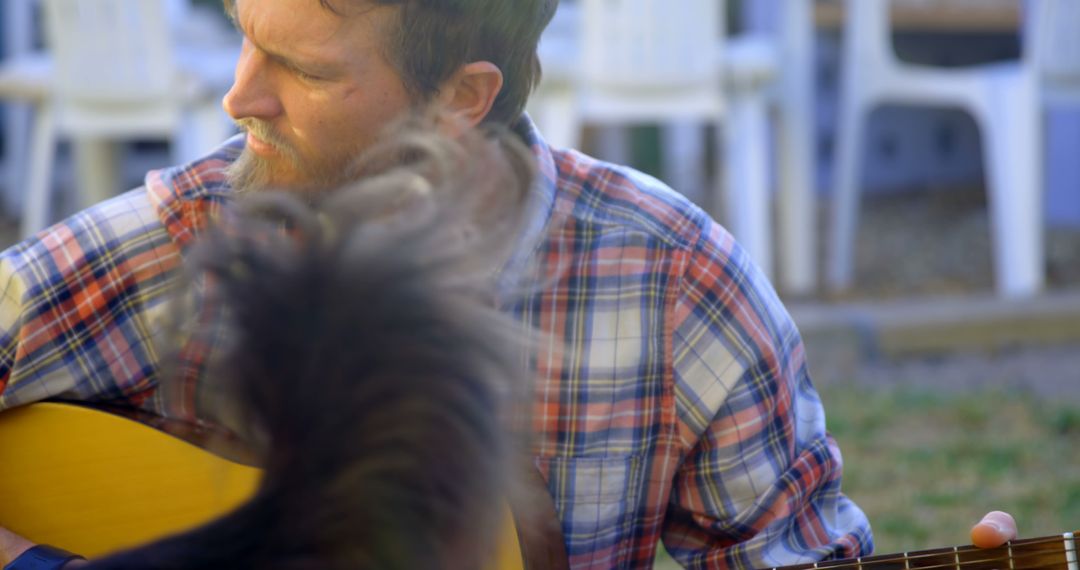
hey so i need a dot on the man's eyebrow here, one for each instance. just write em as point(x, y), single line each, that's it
point(288, 61)
point(298, 63)
point(315, 67)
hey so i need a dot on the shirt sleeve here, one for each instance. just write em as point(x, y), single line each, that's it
point(12, 291)
point(78, 305)
point(759, 485)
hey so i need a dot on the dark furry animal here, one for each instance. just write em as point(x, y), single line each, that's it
point(369, 362)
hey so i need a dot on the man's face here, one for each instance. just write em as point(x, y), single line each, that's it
point(313, 89)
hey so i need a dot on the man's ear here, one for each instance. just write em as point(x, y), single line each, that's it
point(467, 97)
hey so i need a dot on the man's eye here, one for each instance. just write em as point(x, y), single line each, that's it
point(306, 76)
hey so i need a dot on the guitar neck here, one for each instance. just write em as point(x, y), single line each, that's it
point(1048, 552)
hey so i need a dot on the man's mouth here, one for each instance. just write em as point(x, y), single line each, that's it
point(259, 146)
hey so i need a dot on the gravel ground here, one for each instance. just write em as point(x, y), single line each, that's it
point(933, 243)
point(938, 242)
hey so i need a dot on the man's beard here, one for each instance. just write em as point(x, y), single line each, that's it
point(253, 173)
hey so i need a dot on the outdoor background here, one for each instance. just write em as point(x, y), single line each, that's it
point(947, 401)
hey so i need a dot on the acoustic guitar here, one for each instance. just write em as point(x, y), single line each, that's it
point(93, 482)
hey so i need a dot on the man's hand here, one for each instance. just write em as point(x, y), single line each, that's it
point(995, 529)
point(11, 546)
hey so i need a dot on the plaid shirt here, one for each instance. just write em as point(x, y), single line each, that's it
point(672, 396)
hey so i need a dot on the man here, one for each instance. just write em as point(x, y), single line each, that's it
point(672, 396)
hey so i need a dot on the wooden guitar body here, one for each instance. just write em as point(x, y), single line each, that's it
point(94, 483)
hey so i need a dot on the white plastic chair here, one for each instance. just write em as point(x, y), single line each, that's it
point(1003, 98)
point(17, 41)
point(792, 98)
point(613, 64)
point(629, 62)
point(24, 85)
point(1056, 43)
point(115, 75)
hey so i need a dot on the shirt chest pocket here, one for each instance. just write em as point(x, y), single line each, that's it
point(599, 501)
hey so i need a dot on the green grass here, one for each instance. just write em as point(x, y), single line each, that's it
point(925, 466)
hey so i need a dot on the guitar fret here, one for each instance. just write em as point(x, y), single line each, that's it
point(1049, 552)
point(938, 559)
point(1070, 551)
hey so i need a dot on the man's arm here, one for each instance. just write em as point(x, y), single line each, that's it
point(11, 546)
point(26, 329)
point(759, 484)
point(11, 296)
point(12, 293)
point(78, 305)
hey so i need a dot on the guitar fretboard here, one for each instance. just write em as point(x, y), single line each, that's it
point(1044, 553)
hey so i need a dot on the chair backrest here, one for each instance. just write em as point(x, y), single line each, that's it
point(111, 52)
point(867, 31)
point(868, 23)
point(1054, 33)
point(651, 44)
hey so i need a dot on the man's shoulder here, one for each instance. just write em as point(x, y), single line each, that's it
point(123, 232)
point(187, 197)
point(636, 209)
point(600, 193)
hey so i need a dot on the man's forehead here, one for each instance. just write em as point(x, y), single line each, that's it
point(285, 24)
point(338, 7)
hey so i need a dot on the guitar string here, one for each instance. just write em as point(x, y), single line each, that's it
point(949, 552)
point(924, 555)
point(865, 564)
point(972, 563)
point(870, 563)
point(898, 559)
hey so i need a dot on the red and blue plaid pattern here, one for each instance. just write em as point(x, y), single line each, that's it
point(672, 396)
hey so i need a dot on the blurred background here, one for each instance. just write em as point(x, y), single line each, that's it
point(906, 171)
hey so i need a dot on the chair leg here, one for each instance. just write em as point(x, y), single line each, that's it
point(845, 199)
point(746, 184)
point(1012, 139)
point(797, 211)
point(18, 138)
point(35, 216)
point(796, 206)
point(96, 168)
point(683, 147)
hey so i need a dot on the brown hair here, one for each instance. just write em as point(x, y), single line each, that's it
point(434, 38)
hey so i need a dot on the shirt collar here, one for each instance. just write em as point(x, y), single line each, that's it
point(540, 205)
point(189, 196)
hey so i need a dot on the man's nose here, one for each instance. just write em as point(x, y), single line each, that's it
point(252, 94)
